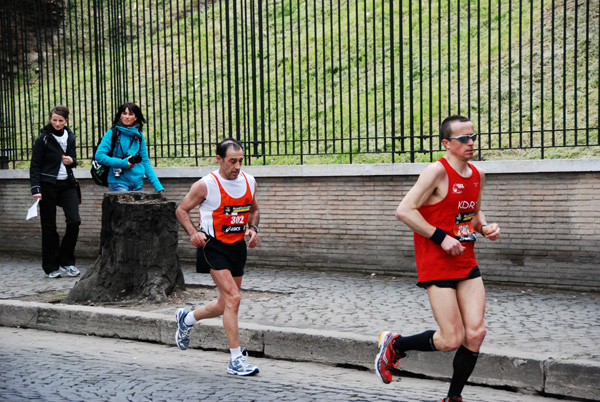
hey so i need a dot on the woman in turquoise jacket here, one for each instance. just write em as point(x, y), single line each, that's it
point(129, 159)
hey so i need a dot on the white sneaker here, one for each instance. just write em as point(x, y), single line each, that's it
point(182, 334)
point(71, 270)
point(240, 366)
point(54, 274)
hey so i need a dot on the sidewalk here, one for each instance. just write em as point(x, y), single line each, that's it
point(537, 340)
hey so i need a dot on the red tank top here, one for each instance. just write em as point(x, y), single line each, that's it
point(454, 215)
point(231, 217)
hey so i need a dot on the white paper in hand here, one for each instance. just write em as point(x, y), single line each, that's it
point(32, 213)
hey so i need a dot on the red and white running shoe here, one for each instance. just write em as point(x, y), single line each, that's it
point(387, 358)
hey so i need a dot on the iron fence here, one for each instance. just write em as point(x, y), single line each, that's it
point(306, 81)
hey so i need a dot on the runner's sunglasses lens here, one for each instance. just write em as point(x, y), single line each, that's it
point(465, 138)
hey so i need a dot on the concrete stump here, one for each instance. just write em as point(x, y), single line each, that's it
point(138, 260)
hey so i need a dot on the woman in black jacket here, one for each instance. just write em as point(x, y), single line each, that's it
point(53, 183)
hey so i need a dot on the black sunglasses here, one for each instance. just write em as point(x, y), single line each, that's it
point(465, 138)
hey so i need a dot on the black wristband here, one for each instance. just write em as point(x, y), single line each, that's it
point(438, 236)
point(254, 227)
point(481, 229)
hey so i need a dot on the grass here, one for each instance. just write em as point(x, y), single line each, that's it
point(333, 77)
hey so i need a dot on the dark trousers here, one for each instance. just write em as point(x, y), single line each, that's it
point(54, 252)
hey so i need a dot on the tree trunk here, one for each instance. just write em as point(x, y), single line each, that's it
point(138, 257)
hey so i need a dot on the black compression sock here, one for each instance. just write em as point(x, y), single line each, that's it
point(422, 342)
point(464, 363)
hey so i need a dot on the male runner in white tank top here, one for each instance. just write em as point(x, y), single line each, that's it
point(228, 213)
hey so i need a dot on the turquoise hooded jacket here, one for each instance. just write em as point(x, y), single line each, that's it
point(130, 142)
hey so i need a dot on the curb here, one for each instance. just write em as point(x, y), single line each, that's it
point(565, 378)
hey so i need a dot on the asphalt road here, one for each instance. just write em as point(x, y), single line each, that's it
point(48, 366)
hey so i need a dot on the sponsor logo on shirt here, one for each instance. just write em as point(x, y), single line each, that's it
point(458, 188)
point(466, 204)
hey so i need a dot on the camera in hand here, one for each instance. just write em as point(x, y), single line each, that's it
point(135, 159)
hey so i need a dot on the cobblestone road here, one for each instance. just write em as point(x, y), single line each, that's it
point(48, 366)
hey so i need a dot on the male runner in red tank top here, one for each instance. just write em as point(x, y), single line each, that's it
point(443, 208)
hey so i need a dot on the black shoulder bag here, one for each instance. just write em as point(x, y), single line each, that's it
point(100, 172)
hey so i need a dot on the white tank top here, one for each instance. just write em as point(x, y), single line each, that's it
point(235, 188)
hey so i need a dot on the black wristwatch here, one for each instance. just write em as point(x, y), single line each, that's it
point(255, 228)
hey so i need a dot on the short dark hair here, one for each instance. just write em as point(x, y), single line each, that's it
point(133, 108)
point(61, 111)
point(446, 127)
point(227, 143)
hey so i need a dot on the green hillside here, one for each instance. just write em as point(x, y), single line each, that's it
point(325, 81)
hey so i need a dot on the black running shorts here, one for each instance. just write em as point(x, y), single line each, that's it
point(218, 255)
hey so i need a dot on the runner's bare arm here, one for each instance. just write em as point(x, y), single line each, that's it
point(490, 230)
point(421, 193)
point(428, 190)
point(193, 198)
point(253, 220)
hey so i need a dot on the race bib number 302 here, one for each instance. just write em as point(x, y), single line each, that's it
point(235, 218)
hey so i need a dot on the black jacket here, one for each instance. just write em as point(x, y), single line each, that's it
point(46, 159)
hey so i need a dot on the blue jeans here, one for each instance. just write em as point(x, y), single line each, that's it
point(123, 187)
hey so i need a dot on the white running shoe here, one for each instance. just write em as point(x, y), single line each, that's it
point(71, 270)
point(53, 274)
point(240, 366)
point(182, 335)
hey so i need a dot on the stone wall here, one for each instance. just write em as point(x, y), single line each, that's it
point(341, 217)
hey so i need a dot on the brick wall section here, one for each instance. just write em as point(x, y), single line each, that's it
point(342, 218)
